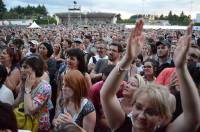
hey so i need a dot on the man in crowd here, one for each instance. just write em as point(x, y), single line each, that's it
point(114, 54)
point(164, 60)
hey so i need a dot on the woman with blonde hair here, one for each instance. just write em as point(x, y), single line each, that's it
point(134, 82)
point(151, 106)
point(74, 105)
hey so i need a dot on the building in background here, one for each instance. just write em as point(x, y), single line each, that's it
point(85, 18)
point(16, 22)
point(198, 18)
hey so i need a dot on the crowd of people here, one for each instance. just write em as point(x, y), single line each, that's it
point(100, 79)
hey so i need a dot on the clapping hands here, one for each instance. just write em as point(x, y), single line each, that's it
point(182, 48)
point(136, 41)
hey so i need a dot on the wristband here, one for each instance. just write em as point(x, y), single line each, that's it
point(27, 92)
point(121, 69)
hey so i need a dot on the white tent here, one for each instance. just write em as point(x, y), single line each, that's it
point(34, 25)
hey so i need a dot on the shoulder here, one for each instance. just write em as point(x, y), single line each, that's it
point(6, 95)
point(97, 86)
point(44, 86)
point(5, 91)
point(88, 107)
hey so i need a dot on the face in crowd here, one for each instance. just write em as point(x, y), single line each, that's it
point(101, 49)
point(43, 51)
point(113, 53)
point(162, 51)
point(193, 55)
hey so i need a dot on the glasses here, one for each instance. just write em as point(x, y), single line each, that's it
point(148, 66)
point(100, 48)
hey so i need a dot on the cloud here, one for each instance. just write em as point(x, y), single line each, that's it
point(125, 7)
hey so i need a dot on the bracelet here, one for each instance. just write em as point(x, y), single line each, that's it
point(27, 92)
point(121, 69)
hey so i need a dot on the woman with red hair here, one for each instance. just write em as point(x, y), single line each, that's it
point(74, 105)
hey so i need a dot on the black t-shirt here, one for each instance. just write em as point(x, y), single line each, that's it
point(161, 67)
point(127, 126)
point(179, 108)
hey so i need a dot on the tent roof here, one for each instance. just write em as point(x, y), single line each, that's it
point(34, 25)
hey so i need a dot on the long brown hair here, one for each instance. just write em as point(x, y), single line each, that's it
point(77, 82)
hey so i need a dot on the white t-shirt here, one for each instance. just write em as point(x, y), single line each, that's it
point(97, 57)
point(6, 95)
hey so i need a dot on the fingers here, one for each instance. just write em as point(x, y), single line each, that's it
point(64, 118)
point(138, 27)
point(137, 31)
point(189, 29)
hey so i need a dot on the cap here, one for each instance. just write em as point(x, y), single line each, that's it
point(34, 42)
point(78, 40)
point(88, 36)
point(163, 42)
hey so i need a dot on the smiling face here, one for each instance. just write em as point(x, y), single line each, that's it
point(148, 68)
point(113, 53)
point(130, 87)
point(4, 56)
point(145, 115)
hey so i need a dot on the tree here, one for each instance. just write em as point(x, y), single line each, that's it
point(162, 17)
point(41, 10)
point(170, 16)
point(2, 9)
point(118, 17)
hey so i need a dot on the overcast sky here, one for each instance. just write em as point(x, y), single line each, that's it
point(125, 7)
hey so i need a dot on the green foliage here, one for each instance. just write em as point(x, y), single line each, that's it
point(172, 18)
point(29, 12)
point(39, 13)
point(46, 20)
point(196, 24)
point(177, 20)
point(2, 9)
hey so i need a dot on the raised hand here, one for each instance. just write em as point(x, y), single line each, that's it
point(136, 41)
point(182, 48)
point(30, 80)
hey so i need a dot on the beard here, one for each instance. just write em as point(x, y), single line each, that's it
point(162, 56)
point(32, 50)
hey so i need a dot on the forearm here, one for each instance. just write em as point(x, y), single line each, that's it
point(95, 76)
point(10, 84)
point(28, 104)
point(82, 130)
point(112, 83)
point(189, 94)
point(18, 99)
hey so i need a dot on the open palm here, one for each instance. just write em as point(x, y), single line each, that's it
point(136, 41)
point(182, 48)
